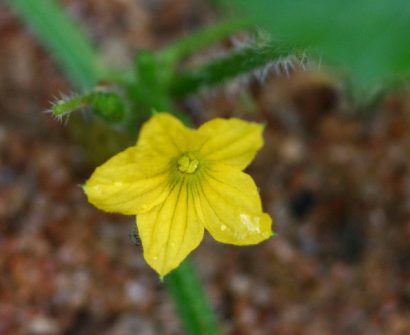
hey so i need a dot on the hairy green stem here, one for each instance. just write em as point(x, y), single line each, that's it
point(223, 69)
point(198, 40)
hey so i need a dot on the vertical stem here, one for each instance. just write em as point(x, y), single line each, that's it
point(191, 301)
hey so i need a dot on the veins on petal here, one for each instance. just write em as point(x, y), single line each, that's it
point(167, 243)
point(154, 228)
point(223, 226)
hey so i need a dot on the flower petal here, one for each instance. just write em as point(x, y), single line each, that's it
point(230, 207)
point(231, 141)
point(170, 231)
point(165, 135)
point(131, 182)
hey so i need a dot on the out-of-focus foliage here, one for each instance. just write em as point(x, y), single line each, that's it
point(370, 39)
point(64, 39)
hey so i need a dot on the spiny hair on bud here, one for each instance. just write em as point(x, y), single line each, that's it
point(66, 104)
point(105, 103)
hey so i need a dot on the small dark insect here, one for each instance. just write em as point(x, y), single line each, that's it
point(135, 239)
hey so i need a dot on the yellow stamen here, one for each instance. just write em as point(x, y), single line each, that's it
point(187, 163)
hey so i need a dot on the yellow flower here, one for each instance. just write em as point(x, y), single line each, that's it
point(180, 181)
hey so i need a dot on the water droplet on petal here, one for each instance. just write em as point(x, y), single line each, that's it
point(223, 227)
point(252, 223)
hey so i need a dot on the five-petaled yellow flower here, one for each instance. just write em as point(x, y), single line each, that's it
point(180, 181)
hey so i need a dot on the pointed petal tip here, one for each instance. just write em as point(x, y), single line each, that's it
point(160, 269)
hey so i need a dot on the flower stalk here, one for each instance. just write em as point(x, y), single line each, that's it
point(190, 300)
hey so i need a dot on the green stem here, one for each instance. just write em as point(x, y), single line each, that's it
point(228, 67)
point(63, 38)
point(196, 41)
point(191, 301)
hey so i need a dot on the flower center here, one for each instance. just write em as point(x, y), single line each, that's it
point(187, 163)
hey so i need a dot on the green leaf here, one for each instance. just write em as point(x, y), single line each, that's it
point(63, 38)
point(368, 39)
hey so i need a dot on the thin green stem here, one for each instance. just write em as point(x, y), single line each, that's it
point(201, 39)
point(63, 38)
point(191, 301)
point(219, 71)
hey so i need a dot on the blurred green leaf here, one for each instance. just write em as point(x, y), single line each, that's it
point(64, 39)
point(369, 39)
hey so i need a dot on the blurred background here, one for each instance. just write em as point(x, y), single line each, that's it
point(336, 182)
